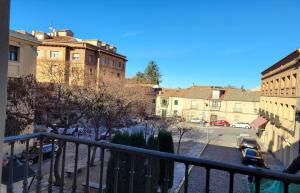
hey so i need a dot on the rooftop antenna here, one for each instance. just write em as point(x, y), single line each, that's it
point(51, 29)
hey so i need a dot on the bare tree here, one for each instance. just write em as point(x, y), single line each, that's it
point(182, 128)
point(20, 104)
point(61, 101)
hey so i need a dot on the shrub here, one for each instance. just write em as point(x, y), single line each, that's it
point(153, 145)
point(136, 140)
point(165, 144)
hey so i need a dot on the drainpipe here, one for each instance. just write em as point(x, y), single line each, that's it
point(4, 26)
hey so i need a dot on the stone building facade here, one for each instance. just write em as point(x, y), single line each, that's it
point(209, 103)
point(280, 106)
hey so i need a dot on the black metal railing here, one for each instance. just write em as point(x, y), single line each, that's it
point(262, 112)
point(256, 173)
point(272, 118)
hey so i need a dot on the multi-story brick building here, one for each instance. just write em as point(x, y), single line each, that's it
point(280, 105)
point(209, 103)
point(72, 59)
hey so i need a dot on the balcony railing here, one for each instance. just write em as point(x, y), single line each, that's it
point(272, 118)
point(256, 173)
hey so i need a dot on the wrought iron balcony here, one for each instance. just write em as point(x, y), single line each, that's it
point(277, 122)
point(257, 173)
point(267, 115)
point(272, 118)
point(262, 112)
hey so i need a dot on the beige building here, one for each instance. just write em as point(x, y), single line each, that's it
point(77, 61)
point(280, 105)
point(22, 54)
point(209, 103)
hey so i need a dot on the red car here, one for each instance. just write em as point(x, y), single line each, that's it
point(220, 123)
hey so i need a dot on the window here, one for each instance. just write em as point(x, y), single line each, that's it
point(113, 64)
point(102, 61)
point(91, 59)
point(120, 65)
point(13, 53)
point(39, 53)
point(175, 102)
point(214, 103)
point(163, 112)
point(54, 54)
point(91, 71)
point(75, 56)
point(175, 112)
point(54, 69)
point(118, 75)
point(194, 104)
point(164, 102)
point(292, 113)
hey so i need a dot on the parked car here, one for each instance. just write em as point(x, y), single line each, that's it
point(33, 153)
point(220, 123)
point(195, 120)
point(249, 143)
point(252, 157)
point(241, 125)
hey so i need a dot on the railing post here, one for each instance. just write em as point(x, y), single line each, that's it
point(148, 176)
point(286, 187)
point(11, 170)
point(166, 177)
point(186, 178)
point(39, 176)
point(4, 38)
point(231, 180)
point(116, 177)
point(101, 168)
point(25, 181)
point(207, 179)
point(87, 179)
point(257, 184)
point(61, 190)
point(50, 180)
point(131, 174)
point(74, 186)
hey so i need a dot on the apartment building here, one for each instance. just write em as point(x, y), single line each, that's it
point(22, 54)
point(209, 103)
point(65, 58)
point(279, 105)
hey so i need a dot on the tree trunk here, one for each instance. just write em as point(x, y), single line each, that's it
point(179, 142)
point(92, 161)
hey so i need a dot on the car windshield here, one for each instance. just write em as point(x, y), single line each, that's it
point(250, 141)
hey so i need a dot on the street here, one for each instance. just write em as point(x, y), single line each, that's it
point(223, 147)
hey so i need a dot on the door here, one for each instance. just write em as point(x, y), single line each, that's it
point(163, 112)
point(213, 118)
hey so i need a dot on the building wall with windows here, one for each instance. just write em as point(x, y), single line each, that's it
point(91, 60)
point(279, 104)
point(233, 105)
point(22, 54)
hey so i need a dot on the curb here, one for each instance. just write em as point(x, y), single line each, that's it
point(190, 169)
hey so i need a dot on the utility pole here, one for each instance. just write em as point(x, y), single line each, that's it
point(4, 37)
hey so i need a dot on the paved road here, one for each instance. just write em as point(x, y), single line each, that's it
point(222, 147)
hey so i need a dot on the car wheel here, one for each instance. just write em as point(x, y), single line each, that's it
point(30, 162)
